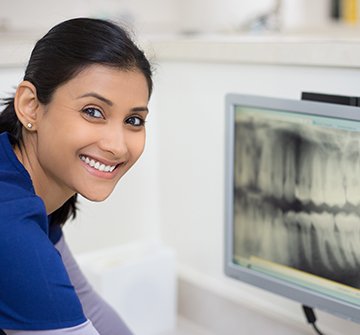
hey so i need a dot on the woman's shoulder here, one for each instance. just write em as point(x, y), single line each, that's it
point(21, 209)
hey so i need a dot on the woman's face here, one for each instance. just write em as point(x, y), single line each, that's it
point(92, 131)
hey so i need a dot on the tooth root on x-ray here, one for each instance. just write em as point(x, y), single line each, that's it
point(289, 171)
point(280, 234)
point(304, 173)
point(266, 228)
point(324, 224)
point(265, 169)
point(277, 170)
point(318, 178)
point(349, 237)
point(352, 168)
point(305, 235)
point(244, 173)
point(334, 186)
point(330, 236)
point(279, 166)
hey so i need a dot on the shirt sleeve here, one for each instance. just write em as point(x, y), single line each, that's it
point(35, 290)
point(85, 328)
point(101, 314)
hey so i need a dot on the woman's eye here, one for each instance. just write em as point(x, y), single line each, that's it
point(135, 121)
point(93, 112)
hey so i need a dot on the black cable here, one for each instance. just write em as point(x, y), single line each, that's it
point(317, 329)
point(311, 318)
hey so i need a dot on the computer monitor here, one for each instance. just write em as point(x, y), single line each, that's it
point(293, 200)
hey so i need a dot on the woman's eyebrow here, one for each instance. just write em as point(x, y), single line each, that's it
point(97, 96)
point(140, 109)
point(110, 103)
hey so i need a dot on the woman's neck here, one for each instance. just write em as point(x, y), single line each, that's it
point(48, 190)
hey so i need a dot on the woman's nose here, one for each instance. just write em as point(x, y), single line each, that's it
point(114, 141)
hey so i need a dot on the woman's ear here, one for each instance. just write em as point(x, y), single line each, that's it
point(27, 104)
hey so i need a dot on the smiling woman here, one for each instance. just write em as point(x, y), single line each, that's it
point(76, 125)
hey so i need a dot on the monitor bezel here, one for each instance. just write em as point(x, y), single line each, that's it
point(283, 288)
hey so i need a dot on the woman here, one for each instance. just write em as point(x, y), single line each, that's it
point(75, 126)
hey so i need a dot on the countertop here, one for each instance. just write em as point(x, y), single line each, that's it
point(284, 49)
point(187, 327)
point(308, 50)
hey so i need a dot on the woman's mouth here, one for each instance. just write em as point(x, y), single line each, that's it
point(98, 165)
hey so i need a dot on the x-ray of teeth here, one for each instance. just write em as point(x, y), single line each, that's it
point(297, 196)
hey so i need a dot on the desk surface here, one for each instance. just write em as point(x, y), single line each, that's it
point(187, 327)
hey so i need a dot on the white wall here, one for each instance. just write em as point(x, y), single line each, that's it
point(10, 78)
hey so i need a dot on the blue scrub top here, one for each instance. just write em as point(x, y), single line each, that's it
point(35, 290)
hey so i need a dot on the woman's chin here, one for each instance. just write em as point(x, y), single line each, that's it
point(98, 197)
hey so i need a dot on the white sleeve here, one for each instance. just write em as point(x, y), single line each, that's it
point(85, 328)
point(103, 317)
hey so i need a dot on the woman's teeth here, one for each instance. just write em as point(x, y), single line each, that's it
point(97, 165)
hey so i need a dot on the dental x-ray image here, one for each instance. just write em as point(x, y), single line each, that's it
point(297, 195)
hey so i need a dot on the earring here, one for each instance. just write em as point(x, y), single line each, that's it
point(29, 125)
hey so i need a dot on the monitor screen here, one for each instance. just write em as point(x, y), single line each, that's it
point(293, 200)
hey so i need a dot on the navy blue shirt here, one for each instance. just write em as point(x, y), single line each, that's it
point(35, 290)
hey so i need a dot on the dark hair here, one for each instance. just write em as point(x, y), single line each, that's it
point(67, 49)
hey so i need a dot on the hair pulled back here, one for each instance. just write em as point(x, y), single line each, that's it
point(66, 50)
